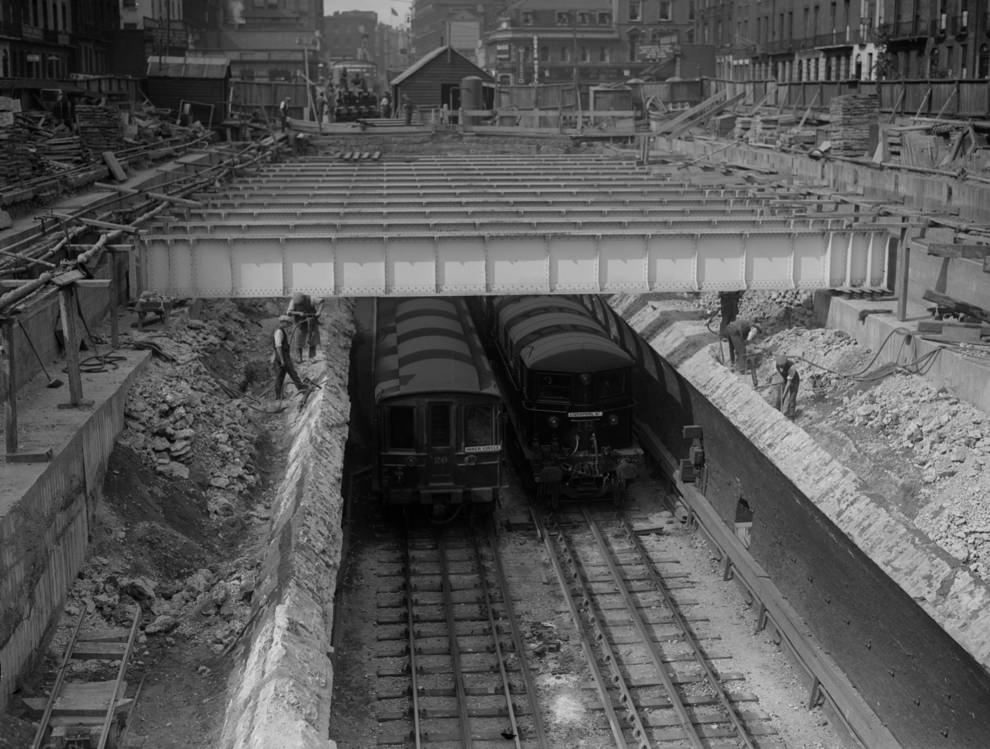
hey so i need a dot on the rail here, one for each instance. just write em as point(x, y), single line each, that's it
point(563, 579)
point(827, 682)
point(453, 575)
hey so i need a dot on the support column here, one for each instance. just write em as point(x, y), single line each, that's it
point(8, 384)
point(67, 308)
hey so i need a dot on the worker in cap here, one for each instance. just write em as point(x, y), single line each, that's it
point(306, 316)
point(281, 359)
point(739, 333)
point(788, 389)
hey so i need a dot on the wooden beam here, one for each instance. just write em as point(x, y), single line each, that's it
point(968, 251)
point(965, 308)
point(156, 195)
point(97, 223)
point(67, 308)
point(8, 383)
point(901, 275)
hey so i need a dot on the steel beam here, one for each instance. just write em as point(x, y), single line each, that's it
point(529, 262)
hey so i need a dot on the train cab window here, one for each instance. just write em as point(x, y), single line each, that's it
point(612, 384)
point(479, 426)
point(440, 425)
point(554, 387)
point(401, 428)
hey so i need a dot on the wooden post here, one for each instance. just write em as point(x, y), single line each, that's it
point(8, 384)
point(114, 296)
point(901, 275)
point(67, 308)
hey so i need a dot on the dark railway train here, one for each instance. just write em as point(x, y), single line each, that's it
point(438, 410)
point(569, 395)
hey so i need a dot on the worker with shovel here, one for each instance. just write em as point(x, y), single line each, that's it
point(788, 388)
point(282, 360)
point(306, 316)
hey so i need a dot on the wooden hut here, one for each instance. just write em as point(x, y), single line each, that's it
point(435, 80)
point(195, 88)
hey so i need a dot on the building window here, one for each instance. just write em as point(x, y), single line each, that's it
point(527, 19)
point(584, 19)
point(691, 10)
point(565, 53)
point(603, 55)
point(586, 54)
point(983, 63)
point(563, 18)
point(604, 19)
point(664, 10)
point(544, 54)
point(635, 11)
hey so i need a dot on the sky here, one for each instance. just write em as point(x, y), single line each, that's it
point(381, 7)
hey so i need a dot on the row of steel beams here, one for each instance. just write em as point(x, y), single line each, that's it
point(533, 225)
point(348, 227)
point(522, 263)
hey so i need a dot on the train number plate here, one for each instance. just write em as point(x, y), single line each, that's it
point(481, 449)
point(584, 414)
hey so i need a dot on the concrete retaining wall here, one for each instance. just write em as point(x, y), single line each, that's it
point(279, 694)
point(45, 512)
point(908, 625)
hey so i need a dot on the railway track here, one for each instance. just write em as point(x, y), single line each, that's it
point(450, 659)
point(659, 679)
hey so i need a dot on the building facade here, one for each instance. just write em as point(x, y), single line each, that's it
point(266, 40)
point(549, 42)
point(843, 40)
point(51, 40)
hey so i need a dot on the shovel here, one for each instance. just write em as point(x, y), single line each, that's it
point(52, 382)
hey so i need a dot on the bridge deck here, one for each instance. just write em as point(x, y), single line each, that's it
point(457, 225)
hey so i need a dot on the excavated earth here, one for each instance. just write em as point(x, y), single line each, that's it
point(189, 490)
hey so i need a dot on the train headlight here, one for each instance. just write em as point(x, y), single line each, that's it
point(613, 419)
point(586, 379)
point(554, 422)
point(471, 459)
point(411, 460)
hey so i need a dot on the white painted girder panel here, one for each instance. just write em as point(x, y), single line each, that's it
point(465, 263)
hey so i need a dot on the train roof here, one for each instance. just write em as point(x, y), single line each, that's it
point(429, 345)
point(557, 334)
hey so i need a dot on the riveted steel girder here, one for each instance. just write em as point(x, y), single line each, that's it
point(418, 263)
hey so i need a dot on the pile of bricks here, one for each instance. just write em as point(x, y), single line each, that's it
point(851, 118)
point(99, 128)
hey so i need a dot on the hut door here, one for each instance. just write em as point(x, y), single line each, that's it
point(450, 94)
point(440, 452)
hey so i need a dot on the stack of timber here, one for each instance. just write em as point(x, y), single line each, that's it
point(18, 161)
point(852, 116)
point(799, 138)
point(67, 149)
point(742, 128)
point(99, 128)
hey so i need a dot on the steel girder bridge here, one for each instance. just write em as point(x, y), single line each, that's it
point(417, 226)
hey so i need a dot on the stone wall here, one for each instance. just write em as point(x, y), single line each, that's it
point(904, 622)
point(279, 693)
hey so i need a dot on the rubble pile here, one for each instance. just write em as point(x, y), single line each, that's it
point(773, 310)
point(213, 606)
point(185, 419)
point(947, 442)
